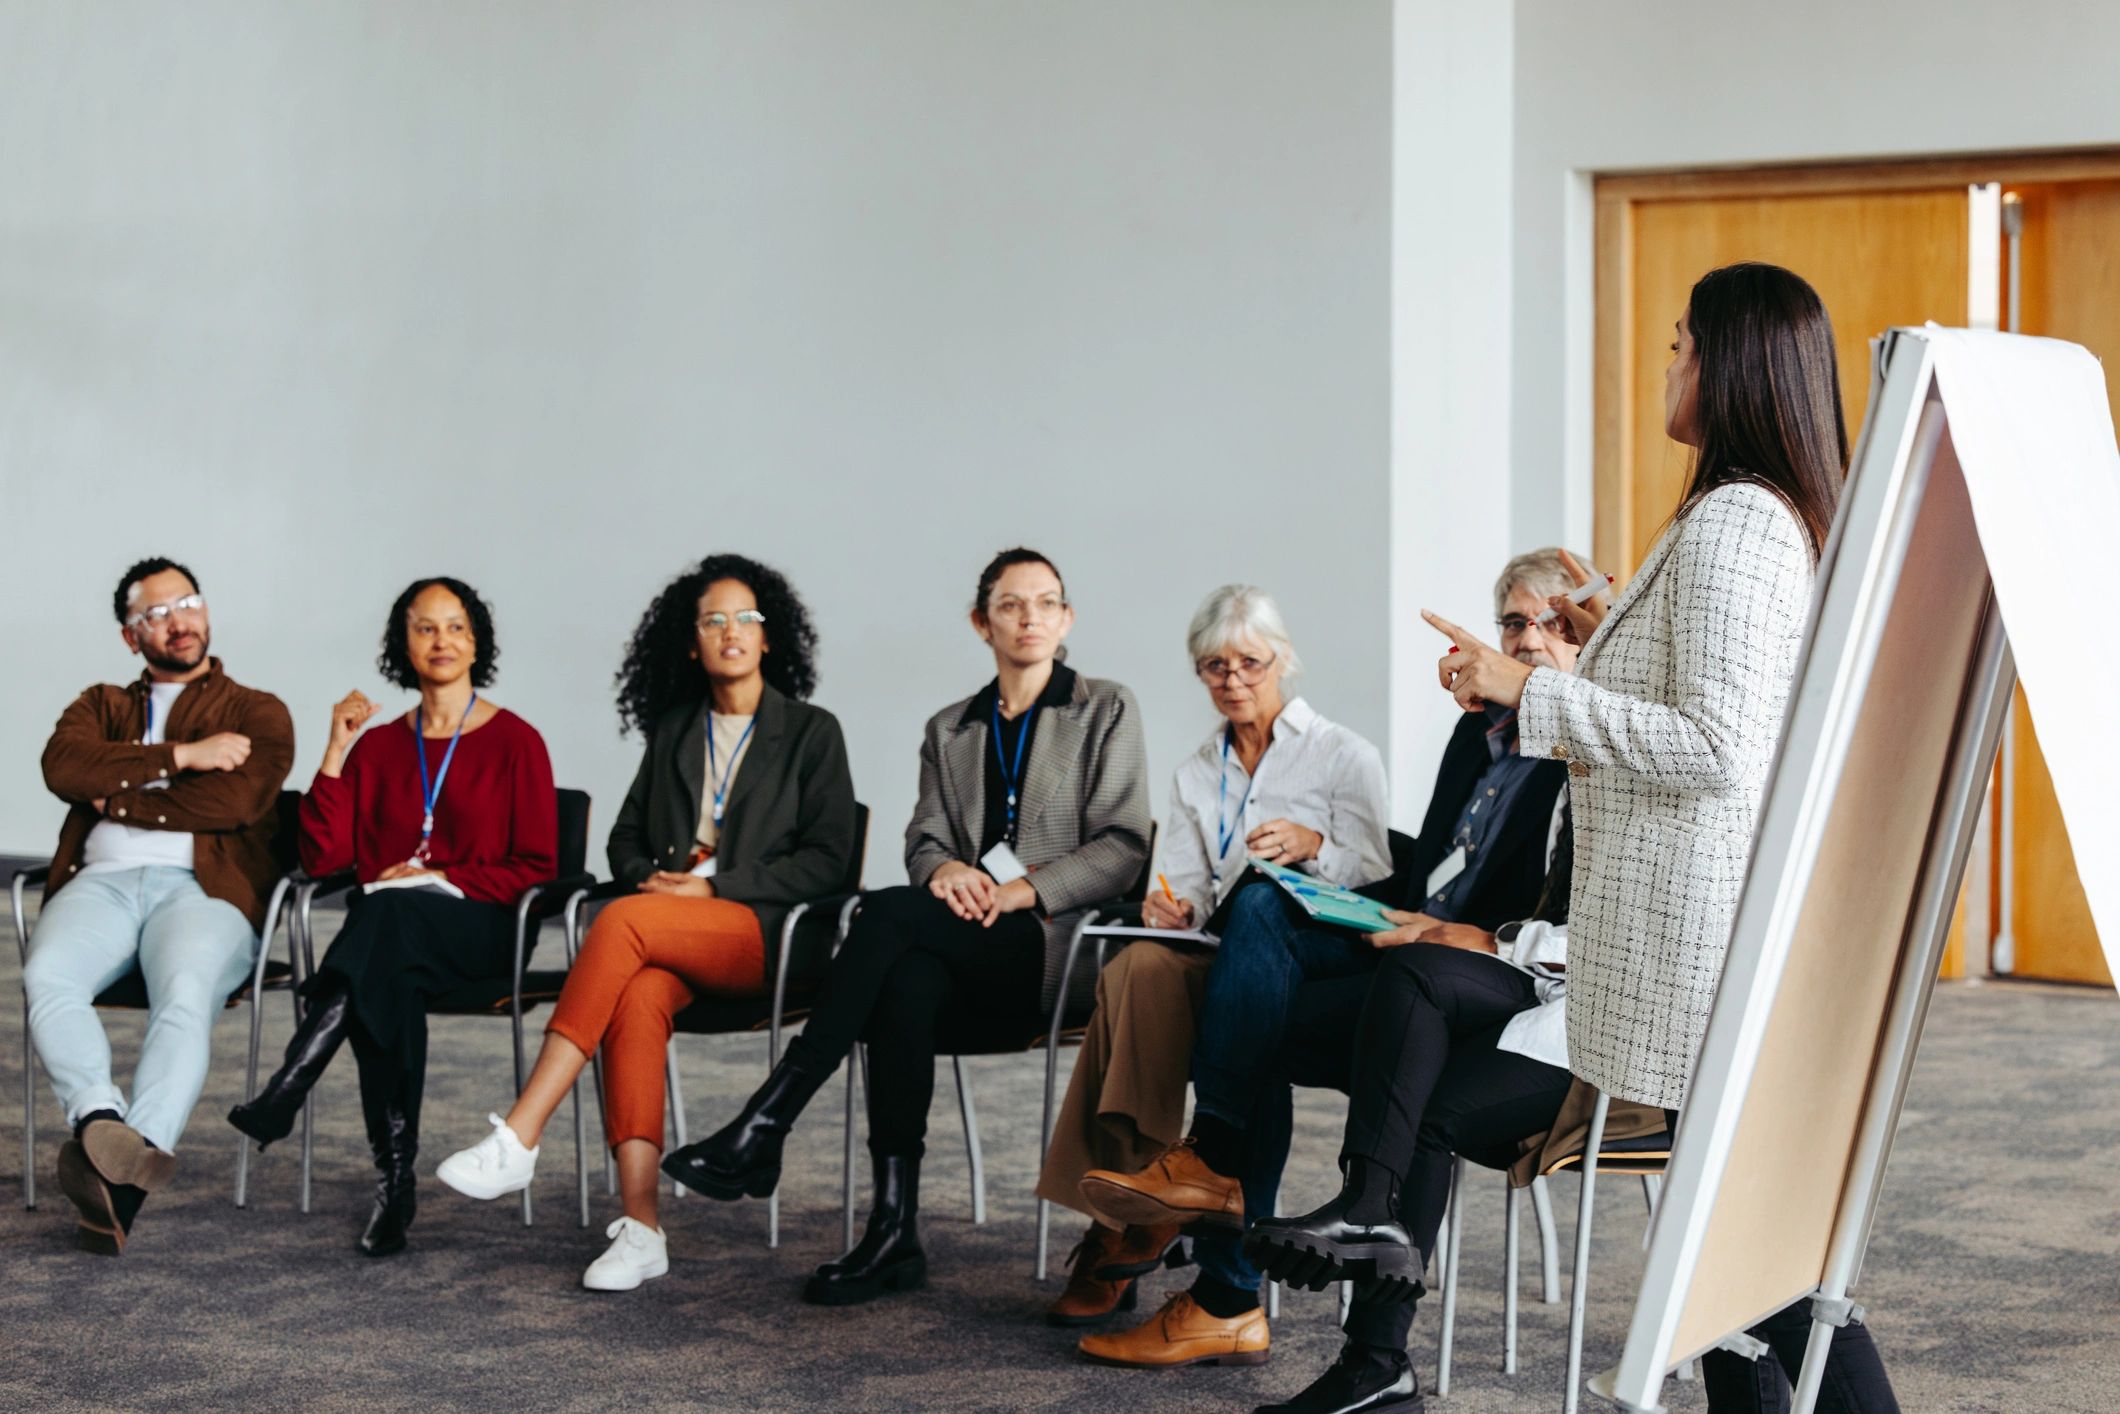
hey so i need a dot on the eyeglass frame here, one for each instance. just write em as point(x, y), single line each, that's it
point(742, 618)
point(1205, 674)
point(156, 615)
point(1011, 608)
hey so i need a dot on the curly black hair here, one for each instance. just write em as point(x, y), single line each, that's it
point(395, 661)
point(661, 670)
point(121, 602)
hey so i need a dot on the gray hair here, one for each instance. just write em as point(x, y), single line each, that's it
point(1237, 612)
point(1539, 571)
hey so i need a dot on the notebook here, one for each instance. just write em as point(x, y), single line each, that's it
point(1328, 903)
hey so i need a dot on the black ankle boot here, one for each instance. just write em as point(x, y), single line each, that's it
point(1355, 1237)
point(272, 1113)
point(742, 1158)
point(888, 1257)
point(395, 1141)
point(1362, 1379)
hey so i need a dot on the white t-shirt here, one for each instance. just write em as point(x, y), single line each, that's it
point(114, 845)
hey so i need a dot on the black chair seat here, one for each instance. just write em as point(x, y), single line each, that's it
point(489, 997)
point(129, 993)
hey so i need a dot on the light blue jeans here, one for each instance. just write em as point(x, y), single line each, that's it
point(192, 950)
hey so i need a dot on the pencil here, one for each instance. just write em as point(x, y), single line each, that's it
point(1166, 889)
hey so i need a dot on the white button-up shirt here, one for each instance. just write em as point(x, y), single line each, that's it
point(1316, 773)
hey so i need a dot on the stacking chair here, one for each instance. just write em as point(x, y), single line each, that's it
point(819, 923)
point(966, 1035)
point(129, 993)
point(508, 996)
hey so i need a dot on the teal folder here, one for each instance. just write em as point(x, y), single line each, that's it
point(1328, 903)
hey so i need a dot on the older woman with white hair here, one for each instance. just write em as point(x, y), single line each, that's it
point(1274, 778)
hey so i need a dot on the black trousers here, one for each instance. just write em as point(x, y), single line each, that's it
point(1855, 1378)
point(911, 979)
point(401, 949)
point(1426, 1080)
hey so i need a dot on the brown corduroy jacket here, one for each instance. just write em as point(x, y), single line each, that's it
point(95, 754)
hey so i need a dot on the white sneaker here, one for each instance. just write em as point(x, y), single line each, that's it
point(495, 1166)
point(637, 1253)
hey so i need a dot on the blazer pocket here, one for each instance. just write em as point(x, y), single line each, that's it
point(1686, 880)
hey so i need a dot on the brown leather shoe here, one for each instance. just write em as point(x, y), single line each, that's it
point(123, 1155)
point(1140, 1251)
point(1183, 1334)
point(1088, 1298)
point(1175, 1188)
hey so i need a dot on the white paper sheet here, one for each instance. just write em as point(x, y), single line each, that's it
point(2034, 433)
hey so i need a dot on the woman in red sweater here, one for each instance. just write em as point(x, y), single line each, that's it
point(446, 814)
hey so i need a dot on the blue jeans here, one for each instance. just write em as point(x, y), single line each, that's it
point(1269, 948)
point(191, 950)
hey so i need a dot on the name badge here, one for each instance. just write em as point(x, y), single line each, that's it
point(1001, 863)
point(1439, 877)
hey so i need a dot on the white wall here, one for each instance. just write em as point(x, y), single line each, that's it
point(1606, 87)
point(556, 297)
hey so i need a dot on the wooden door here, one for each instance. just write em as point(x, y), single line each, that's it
point(2071, 290)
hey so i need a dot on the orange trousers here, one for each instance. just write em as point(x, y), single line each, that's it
point(646, 958)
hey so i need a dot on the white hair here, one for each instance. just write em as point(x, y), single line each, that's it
point(1241, 613)
point(1539, 571)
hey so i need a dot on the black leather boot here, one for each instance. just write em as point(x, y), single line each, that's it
point(888, 1257)
point(1356, 1237)
point(742, 1158)
point(272, 1113)
point(1362, 1379)
point(394, 1139)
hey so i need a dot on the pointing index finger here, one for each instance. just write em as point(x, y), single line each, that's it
point(1448, 629)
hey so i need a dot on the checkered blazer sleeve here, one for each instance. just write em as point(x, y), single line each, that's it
point(1115, 818)
point(928, 836)
point(1738, 593)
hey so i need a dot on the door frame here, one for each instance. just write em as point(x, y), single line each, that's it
point(1615, 195)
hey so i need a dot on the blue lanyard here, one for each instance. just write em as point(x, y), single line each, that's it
point(1012, 776)
point(1226, 829)
point(431, 791)
point(722, 790)
point(150, 717)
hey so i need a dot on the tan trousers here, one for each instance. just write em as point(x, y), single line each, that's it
point(1126, 1099)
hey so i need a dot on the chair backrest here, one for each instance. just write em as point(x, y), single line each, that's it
point(287, 832)
point(1402, 845)
point(573, 831)
point(857, 862)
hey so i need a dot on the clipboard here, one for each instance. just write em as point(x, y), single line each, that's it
point(1327, 903)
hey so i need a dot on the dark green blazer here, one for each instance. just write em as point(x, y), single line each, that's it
point(787, 829)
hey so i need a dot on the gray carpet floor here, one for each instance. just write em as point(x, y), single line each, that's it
point(1993, 1282)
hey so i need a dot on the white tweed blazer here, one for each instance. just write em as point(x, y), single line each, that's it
point(1669, 725)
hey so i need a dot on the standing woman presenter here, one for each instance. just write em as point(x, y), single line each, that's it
point(1669, 725)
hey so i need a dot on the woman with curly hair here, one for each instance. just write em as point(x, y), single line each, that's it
point(445, 815)
point(742, 807)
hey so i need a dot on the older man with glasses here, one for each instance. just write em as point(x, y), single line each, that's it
point(164, 864)
point(1281, 982)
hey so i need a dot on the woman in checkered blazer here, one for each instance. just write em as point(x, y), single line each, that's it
point(1670, 721)
point(1033, 807)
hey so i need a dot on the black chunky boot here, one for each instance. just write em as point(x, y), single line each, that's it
point(1356, 1237)
point(742, 1158)
point(394, 1139)
point(1362, 1379)
point(888, 1257)
point(272, 1113)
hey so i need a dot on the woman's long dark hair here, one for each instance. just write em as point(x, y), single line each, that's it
point(661, 669)
point(1768, 392)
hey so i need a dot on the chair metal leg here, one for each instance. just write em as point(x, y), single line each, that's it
point(971, 1140)
point(1045, 1144)
point(1456, 1223)
point(857, 1061)
point(596, 1069)
point(1549, 1245)
point(1511, 1236)
point(1346, 1301)
point(521, 1073)
point(29, 1111)
point(1579, 1287)
point(677, 1106)
point(1273, 1288)
point(250, 1090)
point(581, 1153)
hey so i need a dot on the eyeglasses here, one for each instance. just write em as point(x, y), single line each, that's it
point(1513, 625)
point(1249, 670)
point(718, 622)
point(158, 614)
point(1042, 609)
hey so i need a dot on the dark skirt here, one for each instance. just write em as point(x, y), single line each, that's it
point(402, 948)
